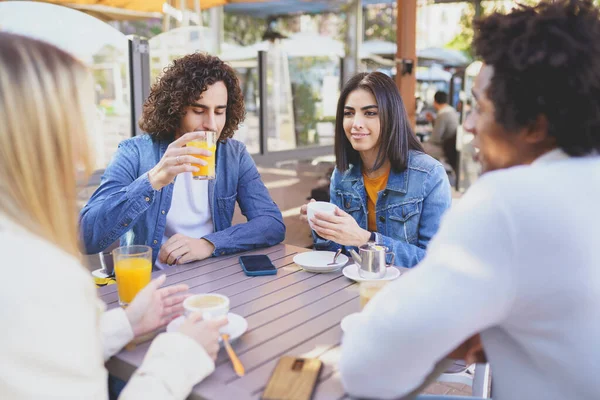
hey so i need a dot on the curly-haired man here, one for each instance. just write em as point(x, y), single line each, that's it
point(517, 260)
point(147, 190)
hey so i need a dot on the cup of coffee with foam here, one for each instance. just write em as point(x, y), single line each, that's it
point(211, 305)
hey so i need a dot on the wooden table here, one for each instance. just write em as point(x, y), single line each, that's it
point(292, 313)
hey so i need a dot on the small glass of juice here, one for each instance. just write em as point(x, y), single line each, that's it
point(207, 142)
point(133, 270)
point(368, 289)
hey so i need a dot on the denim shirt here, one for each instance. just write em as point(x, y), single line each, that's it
point(125, 202)
point(408, 211)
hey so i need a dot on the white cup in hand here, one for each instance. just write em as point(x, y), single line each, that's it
point(205, 333)
point(210, 305)
point(319, 207)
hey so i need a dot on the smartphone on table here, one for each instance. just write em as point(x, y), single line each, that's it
point(293, 379)
point(257, 265)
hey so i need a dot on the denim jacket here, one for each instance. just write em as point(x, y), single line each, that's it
point(408, 211)
point(125, 201)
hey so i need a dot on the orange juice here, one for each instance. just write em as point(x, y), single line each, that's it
point(368, 289)
point(132, 275)
point(205, 171)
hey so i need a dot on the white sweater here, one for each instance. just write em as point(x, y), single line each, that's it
point(55, 335)
point(518, 259)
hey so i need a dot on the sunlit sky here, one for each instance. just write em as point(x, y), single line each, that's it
point(71, 30)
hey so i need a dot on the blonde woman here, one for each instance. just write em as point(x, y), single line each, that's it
point(55, 334)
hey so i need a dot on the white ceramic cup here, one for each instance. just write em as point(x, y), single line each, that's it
point(211, 305)
point(321, 207)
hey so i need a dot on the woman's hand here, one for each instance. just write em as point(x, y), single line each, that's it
point(205, 333)
point(154, 308)
point(304, 211)
point(340, 228)
point(181, 249)
point(176, 160)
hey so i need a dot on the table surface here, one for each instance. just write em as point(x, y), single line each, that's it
point(294, 313)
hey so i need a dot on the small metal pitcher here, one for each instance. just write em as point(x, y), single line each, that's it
point(371, 261)
point(107, 262)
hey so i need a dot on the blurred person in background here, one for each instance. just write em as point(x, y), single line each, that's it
point(386, 189)
point(513, 272)
point(147, 194)
point(441, 144)
point(55, 334)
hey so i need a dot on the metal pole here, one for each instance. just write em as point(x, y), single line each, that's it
point(198, 11)
point(358, 33)
point(354, 40)
point(342, 74)
point(406, 56)
point(217, 19)
point(262, 95)
point(139, 78)
point(184, 20)
point(478, 9)
point(166, 25)
point(166, 16)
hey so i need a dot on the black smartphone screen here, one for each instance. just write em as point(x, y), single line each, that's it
point(257, 263)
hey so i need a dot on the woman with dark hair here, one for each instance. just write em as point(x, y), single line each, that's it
point(148, 192)
point(386, 189)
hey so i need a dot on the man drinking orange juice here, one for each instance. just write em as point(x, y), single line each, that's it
point(206, 142)
point(173, 190)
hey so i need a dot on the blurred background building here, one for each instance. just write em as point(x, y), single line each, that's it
point(291, 58)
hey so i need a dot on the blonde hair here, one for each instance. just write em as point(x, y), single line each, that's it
point(45, 105)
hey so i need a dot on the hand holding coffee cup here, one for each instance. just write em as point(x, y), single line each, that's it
point(210, 305)
point(205, 315)
point(304, 210)
point(205, 333)
point(321, 207)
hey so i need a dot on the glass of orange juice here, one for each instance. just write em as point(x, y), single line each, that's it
point(368, 289)
point(133, 270)
point(206, 142)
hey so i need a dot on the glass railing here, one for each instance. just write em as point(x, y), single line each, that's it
point(249, 130)
point(302, 94)
point(315, 82)
point(100, 46)
point(302, 89)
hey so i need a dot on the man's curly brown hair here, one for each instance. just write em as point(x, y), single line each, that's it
point(546, 61)
point(181, 84)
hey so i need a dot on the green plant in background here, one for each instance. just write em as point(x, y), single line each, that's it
point(146, 28)
point(462, 41)
point(380, 22)
point(244, 30)
point(304, 112)
point(104, 62)
point(307, 74)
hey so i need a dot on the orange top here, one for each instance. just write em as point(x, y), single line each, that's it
point(373, 186)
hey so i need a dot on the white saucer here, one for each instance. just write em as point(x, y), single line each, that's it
point(351, 272)
point(235, 328)
point(316, 261)
point(347, 321)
